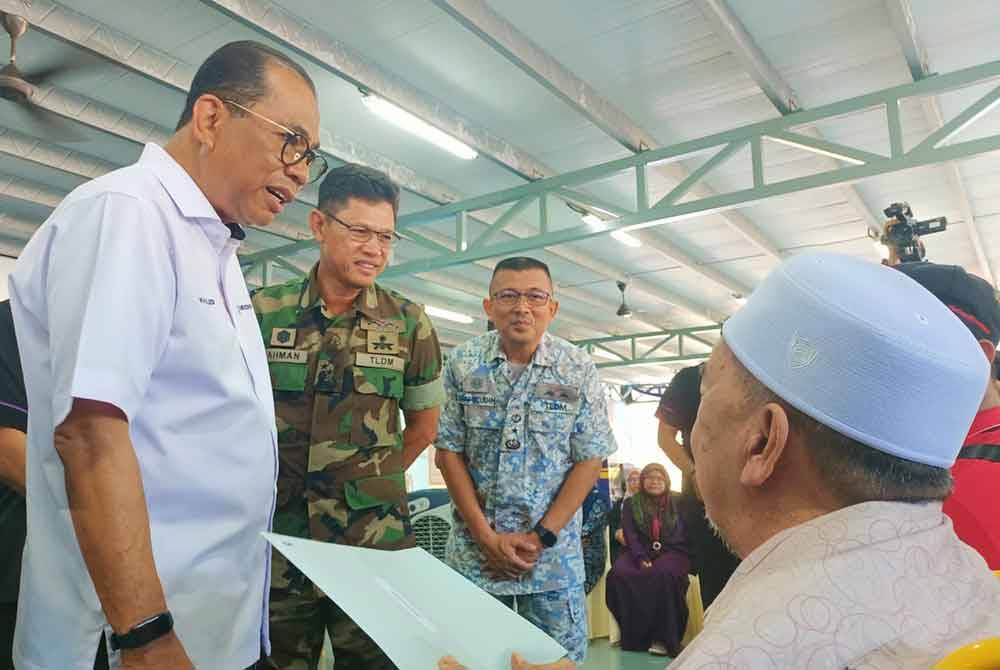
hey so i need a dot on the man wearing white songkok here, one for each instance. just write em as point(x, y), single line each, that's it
point(830, 414)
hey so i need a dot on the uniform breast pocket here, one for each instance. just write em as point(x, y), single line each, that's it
point(289, 377)
point(375, 410)
point(551, 417)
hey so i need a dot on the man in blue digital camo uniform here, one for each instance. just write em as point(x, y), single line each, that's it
point(520, 443)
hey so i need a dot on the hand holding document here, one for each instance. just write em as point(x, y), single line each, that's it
point(418, 610)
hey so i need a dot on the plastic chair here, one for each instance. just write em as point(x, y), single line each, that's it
point(982, 655)
point(696, 612)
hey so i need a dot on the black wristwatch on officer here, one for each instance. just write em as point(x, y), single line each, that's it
point(545, 536)
point(143, 632)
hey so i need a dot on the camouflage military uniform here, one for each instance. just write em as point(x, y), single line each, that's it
point(339, 383)
point(521, 437)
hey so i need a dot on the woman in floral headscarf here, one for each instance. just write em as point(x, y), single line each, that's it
point(648, 583)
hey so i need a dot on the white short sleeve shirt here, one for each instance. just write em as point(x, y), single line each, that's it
point(131, 294)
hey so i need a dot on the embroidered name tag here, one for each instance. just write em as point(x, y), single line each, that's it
point(477, 399)
point(555, 405)
point(376, 361)
point(287, 356)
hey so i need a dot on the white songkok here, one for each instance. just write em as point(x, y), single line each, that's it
point(866, 351)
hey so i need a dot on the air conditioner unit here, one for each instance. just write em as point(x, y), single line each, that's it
point(431, 518)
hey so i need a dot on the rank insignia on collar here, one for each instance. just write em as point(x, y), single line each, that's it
point(283, 337)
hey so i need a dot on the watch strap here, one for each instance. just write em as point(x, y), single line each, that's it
point(547, 537)
point(143, 633)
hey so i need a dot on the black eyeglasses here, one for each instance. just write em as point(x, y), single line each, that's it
point(509, 297)
point(296, 147)
point(361, 234)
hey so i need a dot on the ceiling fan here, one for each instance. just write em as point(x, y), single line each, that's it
point(624, 310)
point(19, 87)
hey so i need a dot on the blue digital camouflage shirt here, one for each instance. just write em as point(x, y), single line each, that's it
point(520, 439)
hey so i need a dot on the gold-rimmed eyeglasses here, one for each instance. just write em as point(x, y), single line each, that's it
point(296, 147)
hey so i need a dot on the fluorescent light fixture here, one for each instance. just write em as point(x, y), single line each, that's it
point(402, 118)
point(591, 219)
point(448, 315)
point(604, 353)
point(814, 150)
point(626, 239)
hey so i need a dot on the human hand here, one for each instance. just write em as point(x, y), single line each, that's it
point(518, 663)
point(510, 555)
point(450, 663)
point(620, 536)
point(165, 653)
point(645, 565)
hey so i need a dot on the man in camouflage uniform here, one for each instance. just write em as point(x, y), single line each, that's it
point(521, 440)
point(345, 356)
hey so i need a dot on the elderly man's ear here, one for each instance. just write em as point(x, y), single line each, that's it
point(765, 444)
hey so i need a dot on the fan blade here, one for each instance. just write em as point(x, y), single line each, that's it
point(51, 125)
point(42, 75)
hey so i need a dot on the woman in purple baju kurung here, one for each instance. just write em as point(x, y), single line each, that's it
point(647, 586)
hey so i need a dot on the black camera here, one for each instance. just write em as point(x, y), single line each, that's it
point(904, 235)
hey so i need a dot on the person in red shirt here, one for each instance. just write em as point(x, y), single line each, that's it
point(973, 505)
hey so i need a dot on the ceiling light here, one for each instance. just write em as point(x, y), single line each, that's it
point(814, 150)
point(447, 314)
point(417, 126)
point(626, 239)
point(739, 298)
point(591, 219)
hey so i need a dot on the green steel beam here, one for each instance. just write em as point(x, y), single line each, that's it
point(662, 337)
point(932, 85)
point(717, 203)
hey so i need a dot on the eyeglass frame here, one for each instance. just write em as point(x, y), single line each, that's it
point(309, 155)
point(495, 297)
point(377, 234)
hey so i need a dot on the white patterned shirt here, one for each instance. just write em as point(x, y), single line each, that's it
point(874, 586)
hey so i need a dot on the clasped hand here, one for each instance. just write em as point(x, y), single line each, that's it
point(510, 555)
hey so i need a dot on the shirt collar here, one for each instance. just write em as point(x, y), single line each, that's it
point(186, 194)
point(182, 189)
point(542, 356)
point(367, 301)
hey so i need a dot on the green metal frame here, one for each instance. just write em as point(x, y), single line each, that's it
point(855, 164)
point(656, 341)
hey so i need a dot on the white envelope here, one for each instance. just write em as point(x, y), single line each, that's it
point(416, 608)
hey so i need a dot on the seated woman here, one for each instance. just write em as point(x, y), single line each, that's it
point(626, 486)
point(647, 585)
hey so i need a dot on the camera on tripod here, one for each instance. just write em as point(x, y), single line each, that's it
point(904, 234)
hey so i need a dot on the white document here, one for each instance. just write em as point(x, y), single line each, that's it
point(416, 608)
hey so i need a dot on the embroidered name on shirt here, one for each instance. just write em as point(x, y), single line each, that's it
point(555, 405)
point(287, 356)
point(245, 307)
point(375, 361)
point(477, 399)
point(207, 301)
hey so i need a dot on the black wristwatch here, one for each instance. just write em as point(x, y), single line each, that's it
point(547, 537)
point(143, 633)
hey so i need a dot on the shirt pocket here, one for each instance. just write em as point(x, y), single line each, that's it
point(289, 377)
point(378, 381)
point(375, 411)
point(551, 417)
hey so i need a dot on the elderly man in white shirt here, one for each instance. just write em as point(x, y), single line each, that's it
point(151, 443)
point(830, 414)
